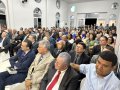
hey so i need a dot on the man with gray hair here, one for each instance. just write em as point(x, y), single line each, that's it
point(60, 75)
point(38, 68)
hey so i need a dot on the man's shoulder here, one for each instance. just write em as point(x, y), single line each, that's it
point(72, 71)
point(114, 79)
point(31, 52)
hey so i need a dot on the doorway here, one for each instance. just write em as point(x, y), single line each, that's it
point(90, 21)
point(3, 19)
point(57, 24)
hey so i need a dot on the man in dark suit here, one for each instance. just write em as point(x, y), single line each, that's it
point(15, 45)
point(67, 76)
point(4, 46)
point(68, 46)
point(4, 42)
point(32, 38)
point(99, 48)
point(80, 57)
point(59, 49)
point(19, 66)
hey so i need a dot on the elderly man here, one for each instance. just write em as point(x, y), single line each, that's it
point(60, 75)
point(19, 66)
point(38, 68)
point(60, 48)
point(100, 76)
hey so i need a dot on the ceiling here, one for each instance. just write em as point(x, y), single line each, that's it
point(80, 1)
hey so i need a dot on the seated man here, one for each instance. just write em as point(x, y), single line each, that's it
point(60, 48)
point(99, 48)
point(32, 38)
point(19, 64)
point(94, 57)
point(38, 68)
point(60, 75)
point(4, 47)
point(100, 75)
point(78, 56)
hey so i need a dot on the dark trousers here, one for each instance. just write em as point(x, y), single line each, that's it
point(9, 79)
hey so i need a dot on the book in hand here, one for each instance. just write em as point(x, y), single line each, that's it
point(11, 70)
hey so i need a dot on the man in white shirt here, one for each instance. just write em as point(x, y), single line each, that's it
point(100, 76)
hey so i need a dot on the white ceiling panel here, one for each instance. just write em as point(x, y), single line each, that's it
point(80, 1)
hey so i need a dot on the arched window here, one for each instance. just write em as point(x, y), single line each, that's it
point(57, 20)
point(37, 18)
point(2, 15)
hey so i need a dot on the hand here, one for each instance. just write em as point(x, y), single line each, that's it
point(28, 84)
point(2, 48)
point(75, 66)
point(11, 70)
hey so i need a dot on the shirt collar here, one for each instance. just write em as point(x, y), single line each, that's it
point(106, 77)
point(45, 55)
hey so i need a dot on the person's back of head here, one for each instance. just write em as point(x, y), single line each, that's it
point(109, 48)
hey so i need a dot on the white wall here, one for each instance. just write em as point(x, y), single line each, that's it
point(52, 10)
point(21, 15)
point(93, 7)
point(117, 46)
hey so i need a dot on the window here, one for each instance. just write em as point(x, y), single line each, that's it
point(57, 20)
point(37, 18)
point(73, 8)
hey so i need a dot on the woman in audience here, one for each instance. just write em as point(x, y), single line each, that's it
point(111, 42)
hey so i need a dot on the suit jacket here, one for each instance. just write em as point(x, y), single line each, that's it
point(69, 80)
point(55, 52)
point(97, 49)
point(6, 45)
point(22, 62)
point(34, 47)
point(38, 69)
point(68, 46)
point(84, 58)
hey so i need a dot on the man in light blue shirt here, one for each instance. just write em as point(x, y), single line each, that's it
point(100, 76)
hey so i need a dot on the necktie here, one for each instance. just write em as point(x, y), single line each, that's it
point(102, 48)
point(41, 57)
point(52, 84)
point(76, 58)
point(58, 52)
